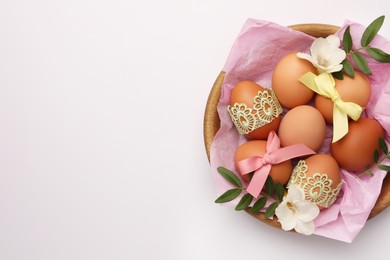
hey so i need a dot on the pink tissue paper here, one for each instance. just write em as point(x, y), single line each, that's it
point(254, 55)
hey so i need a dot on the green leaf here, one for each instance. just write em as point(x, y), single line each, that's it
point(378, 54)
point(371, 31)
point(376, 156)
point(244, 202)
point(348, 69)
point(370, 174)
point(384, 167)
point(230, 176)
point(338, 75)
point(280, 190)
point(270, 211)
point(383, 145)
point(228, 195)
point(347, 40)
point(269, 185)
point(361, 63)
point(259, 204)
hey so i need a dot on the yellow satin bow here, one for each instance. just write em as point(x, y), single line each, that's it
point(324, 85)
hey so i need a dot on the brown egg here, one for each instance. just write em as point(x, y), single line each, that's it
point(303, 124)
point(356, 90)
point(319, 177)
point(288, 89)
point(355, 150)
point(244, 93)
point(279, 172)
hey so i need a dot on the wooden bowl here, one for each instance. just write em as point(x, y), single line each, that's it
point(211, 122)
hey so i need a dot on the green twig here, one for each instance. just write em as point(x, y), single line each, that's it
point(369, 169)
point(270, 197)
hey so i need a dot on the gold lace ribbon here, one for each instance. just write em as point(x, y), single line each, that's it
point(265, 109)
point(318, 187)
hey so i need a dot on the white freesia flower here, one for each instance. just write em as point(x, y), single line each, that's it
point(326, 55)
point(297, 213)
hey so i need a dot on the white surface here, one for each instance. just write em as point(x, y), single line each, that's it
point(101, 143)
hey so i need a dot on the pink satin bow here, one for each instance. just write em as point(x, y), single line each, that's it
point(261, 165)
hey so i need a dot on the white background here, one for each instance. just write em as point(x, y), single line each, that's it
point(101, 135)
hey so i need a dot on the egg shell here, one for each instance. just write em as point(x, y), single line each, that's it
point(279, 172)
point(289, 91)
point(323, 164)
point(303, 124)
point(244, 92)
point(356, 90)
point(355, 150)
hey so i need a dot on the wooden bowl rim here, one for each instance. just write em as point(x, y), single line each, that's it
point(211, 121)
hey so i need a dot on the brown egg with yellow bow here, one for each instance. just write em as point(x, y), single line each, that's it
point(356, 90)
point(285, 81)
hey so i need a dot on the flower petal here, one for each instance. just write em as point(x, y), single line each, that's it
point(305, 228)
point(321, 69)
point(326, 55)
point(336, 57)
point(334, 69)
point(306, 56)
point(295, 193)
point(317, 45)
point(306, 211)
point(288, 224)
point(333, 40)
point(283, 211)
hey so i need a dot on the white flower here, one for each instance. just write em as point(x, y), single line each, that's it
point(297, 213)
point(326, 55)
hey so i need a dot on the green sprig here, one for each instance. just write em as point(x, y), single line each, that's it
point(270, 211)
point(244, 202)
point(348, 68)
point(230, 176)
point(269, 185)
point(377, 159)
point(371, 31)
point(259, 204)
point(273, 191)
point(356, 56)
point(229, 195)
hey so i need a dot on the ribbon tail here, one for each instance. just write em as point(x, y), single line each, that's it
point(258, 180)
point(289, 152)
point(340, 124)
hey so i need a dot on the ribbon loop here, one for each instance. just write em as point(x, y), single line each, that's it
point(325, 85)
point(351, 109)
